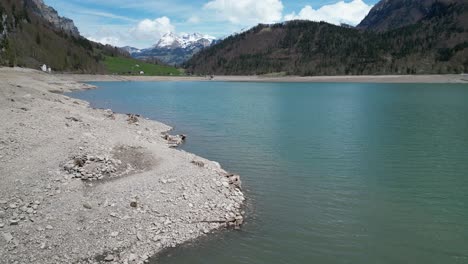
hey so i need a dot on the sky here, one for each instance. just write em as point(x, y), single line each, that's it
point(141, 23)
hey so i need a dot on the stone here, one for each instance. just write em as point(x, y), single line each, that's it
point(139, 236)
point(13, 206)
point(49, 227)
point(133, 204)
point(14, 221)
point(132, 257)
point(87, 205)
point(198, 163)
point(114, 234)
point(2, 225)
point(109, 258)
point(8, 237)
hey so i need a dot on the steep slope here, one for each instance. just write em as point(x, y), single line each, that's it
point(50, 15)
point(173, 49)
point(437, 43)
point(391, 14)
point(33, 34)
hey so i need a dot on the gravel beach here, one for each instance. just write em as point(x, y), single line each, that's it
point(82, 185)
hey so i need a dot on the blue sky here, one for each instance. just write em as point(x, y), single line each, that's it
point(142, 23)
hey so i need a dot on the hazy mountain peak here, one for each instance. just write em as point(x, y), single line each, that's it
point(172, 40)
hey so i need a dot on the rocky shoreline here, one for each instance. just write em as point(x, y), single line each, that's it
point(82, 185)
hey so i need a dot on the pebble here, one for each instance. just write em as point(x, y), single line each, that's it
point(109, 257)
point(2, 225)
point(132, 257)
point(49, 227)
point(114, 234)
point(7, 236)
point(13, 206)
point(2, 214)
point(87, 205)
point(14, 222)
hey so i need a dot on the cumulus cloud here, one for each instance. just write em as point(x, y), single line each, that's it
point(152, 29)
point(341, 12)
point(111, 40)
point(247, 11)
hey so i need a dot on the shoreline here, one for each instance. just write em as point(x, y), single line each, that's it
point(451, 78)
point(89, 185)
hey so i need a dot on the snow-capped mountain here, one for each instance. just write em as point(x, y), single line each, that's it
point(173, 48)
point(172, 40)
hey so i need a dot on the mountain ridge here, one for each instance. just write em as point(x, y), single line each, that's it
point(434, 44)
point(172, 48)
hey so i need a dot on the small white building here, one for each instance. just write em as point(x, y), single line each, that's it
point(44, 68)
point(142, 72)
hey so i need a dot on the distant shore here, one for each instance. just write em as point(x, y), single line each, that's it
point(449, 78)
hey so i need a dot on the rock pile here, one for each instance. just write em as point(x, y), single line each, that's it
point(90, 168)
point(174, 141)
point(133, 119)
point(234, 180)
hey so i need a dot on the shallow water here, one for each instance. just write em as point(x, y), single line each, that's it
point(334, 173)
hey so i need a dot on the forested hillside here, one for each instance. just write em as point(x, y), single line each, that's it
point(33, 34)
point(436, 43)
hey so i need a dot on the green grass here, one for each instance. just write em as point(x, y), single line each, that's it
point(126, 66)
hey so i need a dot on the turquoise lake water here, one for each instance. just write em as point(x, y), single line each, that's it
point(333, 173)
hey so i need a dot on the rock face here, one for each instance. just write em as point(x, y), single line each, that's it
point(392, 14)
point(174, 49)
point(51, 15)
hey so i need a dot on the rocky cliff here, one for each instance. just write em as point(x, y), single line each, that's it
point(50, 15)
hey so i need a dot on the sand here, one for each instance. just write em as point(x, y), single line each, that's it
point(136, 196)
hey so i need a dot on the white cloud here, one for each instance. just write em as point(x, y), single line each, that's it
point(193, 20)
point(106, 15)
point(247, 11)
point(340, 12)
point(152, 30)
point(111, 40)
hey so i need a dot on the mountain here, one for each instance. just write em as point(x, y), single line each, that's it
point(391, 14)
point(436, 43)
point(50, 15)
point(174, 49)
point(33, 34)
